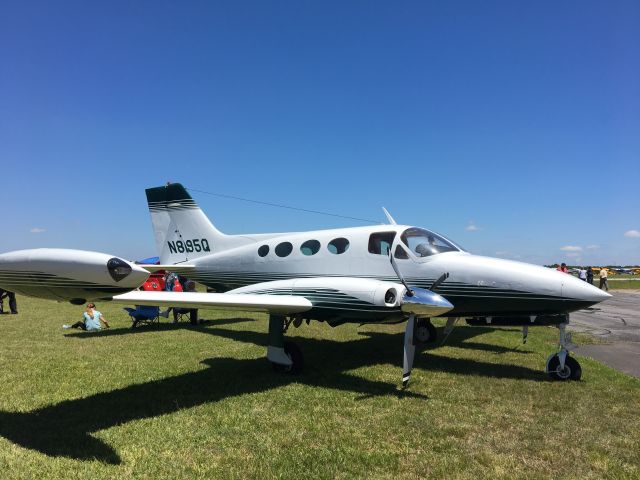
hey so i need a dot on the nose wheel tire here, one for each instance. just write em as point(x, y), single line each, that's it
point(424, 332)
point(571, 371)
point(295, 354)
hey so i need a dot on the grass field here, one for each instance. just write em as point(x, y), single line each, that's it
point(623, 283)
point(202, 402)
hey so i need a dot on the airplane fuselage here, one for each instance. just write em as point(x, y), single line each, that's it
point(476, 286)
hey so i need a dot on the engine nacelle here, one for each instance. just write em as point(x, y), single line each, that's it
point(374, 292)
point(341, 299)
point(71, 275)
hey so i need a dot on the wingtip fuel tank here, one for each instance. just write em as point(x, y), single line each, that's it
point(69, 275)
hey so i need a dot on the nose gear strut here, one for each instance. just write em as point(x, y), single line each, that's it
point(560, 366)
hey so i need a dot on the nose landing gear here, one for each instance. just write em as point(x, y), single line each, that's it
point(560, 366)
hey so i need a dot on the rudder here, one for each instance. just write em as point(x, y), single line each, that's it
point(182, 230)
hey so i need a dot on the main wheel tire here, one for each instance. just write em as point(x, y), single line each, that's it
point(295, 354)
point(424, 332)
point(572, 369)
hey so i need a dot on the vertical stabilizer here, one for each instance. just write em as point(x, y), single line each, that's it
point(182, 230)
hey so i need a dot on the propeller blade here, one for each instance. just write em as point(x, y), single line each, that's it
point(409, 351)
point(439, 281)
point(395, 268)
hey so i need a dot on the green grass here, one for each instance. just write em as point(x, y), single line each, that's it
point(623, 283)
point(202, 402)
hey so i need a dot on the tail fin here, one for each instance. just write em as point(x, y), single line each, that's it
point(182, 230)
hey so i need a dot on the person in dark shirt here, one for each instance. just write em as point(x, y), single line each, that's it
point(13, 304)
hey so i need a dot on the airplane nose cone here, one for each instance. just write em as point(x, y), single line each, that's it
point(125, 273)
point(138, 275)
point(582, 291)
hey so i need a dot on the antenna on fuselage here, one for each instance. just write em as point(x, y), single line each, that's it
point(288, 207)
point(389, 217)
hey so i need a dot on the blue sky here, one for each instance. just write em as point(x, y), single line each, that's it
point(511, 127)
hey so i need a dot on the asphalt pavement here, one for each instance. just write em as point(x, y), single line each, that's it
point(617, 322)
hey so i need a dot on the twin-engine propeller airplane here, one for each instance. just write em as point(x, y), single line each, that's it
point(374, 274)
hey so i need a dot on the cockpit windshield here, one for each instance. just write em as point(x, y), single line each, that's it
point(424, 243)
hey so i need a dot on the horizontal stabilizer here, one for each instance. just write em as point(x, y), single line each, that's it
point(169, 268)
point(278, 304)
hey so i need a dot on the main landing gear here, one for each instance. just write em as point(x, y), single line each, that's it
point(286, 357)
point(560, 366)
point(424, 332)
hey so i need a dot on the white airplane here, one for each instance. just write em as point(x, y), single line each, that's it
point(373, 274)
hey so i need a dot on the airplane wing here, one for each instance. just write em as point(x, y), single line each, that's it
point(278, 304)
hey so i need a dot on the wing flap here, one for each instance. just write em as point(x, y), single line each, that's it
point(278, 304)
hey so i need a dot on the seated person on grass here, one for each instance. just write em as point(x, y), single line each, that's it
point(92, 320)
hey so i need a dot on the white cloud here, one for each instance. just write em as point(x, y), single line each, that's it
point(571, 248)
point(575, 255)
point(632, 234)
point(592, 247)
point(38, 230)
point(472, 227)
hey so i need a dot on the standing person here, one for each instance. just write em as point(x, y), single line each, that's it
point(170, 280)
point(92, 319)
point(590, 275)
point(603, 279)
point(13, 305)
point(582, 274)
point(563, 268)
point(193, 312)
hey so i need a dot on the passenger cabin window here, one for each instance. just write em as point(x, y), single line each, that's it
point(283, 249)
point(424, 243)
point(338, 245)
point(310, 247)
point(380, 242)
point(263, 250)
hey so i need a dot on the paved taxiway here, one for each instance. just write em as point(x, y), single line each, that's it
point(617, 322)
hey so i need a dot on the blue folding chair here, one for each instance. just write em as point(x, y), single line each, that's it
point(143, 314)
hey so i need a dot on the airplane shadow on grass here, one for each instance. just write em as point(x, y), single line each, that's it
point(156, 327)
point(65, 429)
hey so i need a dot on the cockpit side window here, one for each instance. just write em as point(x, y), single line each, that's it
point(380, 242)
point(400, 253)
point(424, 243)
